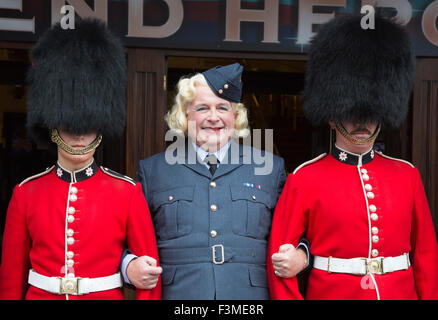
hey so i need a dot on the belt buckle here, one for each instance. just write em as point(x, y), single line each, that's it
point(70, 286)
point(375, 266)
point(214, 253)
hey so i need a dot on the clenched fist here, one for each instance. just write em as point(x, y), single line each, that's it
point(143, 272)
point(288, 261)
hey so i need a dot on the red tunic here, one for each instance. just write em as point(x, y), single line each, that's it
point(81, 223)
point(329, 202)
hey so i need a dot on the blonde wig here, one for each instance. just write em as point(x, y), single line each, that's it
point(176, 118)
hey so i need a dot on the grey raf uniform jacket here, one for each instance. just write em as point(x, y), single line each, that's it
point(212, 231)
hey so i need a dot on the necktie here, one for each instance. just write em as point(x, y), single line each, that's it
point(212, 161)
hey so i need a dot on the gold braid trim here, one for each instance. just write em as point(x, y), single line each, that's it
point(354, 140)
point(56, 138)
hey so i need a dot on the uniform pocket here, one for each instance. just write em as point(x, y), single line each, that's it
point(251, 211)
point(257, 276)
point(172, 212)
point(168, 274)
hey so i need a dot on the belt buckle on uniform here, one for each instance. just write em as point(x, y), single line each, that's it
point(214, 253)
point(69, 286)
point(375, 265)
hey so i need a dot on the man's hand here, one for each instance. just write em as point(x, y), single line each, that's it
point(143, 272)
point(288, 261)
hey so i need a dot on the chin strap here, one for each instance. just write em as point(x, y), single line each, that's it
point(56, 138)
point(354, 140)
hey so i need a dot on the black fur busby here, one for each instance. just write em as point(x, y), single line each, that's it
point(77, 82)
point(355, 74)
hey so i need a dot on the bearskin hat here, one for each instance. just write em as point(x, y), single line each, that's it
point(356, 74)
point(77, 81)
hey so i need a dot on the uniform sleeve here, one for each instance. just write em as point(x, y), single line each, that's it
point(15, 264)
point(424, 249)
point(141, 238)
point(287, 227)
point(281, 178)
point(141, 177)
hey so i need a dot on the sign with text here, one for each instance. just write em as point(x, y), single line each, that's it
point(278, 26)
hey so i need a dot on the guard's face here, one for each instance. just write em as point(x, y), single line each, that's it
point(210, 119)
point(357, 130)
point(360, 130)
point(76, 142)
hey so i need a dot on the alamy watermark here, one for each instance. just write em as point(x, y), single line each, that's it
point(368, 20)
point(250, 152)
point(68, 20)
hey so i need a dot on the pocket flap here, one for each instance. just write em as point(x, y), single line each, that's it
point(251, 194)
point(257, 276)
point(168, 274)
point(171, 195)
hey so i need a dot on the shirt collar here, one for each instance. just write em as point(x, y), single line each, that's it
point(220, 154)
point(345, 156)
point(78, 175)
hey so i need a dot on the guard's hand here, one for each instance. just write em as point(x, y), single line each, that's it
point(143, 272)
point(288, 261)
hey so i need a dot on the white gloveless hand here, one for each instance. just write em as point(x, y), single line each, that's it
point(143, 272)
point(288, 261)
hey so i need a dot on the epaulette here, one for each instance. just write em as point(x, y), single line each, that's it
point(36, 176)
point(117, 175)
point(391, 158)
point(309, 162)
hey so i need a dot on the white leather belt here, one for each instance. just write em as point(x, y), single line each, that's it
point(362, 266)
point(74, 286)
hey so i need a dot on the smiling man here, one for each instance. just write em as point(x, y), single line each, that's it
point(212, 217)
point(365, 214)
point(212, 118)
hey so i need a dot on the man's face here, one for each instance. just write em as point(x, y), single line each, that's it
point(77, 142)
point(211, 119)
point(359, 130)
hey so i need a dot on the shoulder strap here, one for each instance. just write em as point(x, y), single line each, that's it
point(310, 162)
point(117, 175)
point(391, 158)
point(36, 176)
